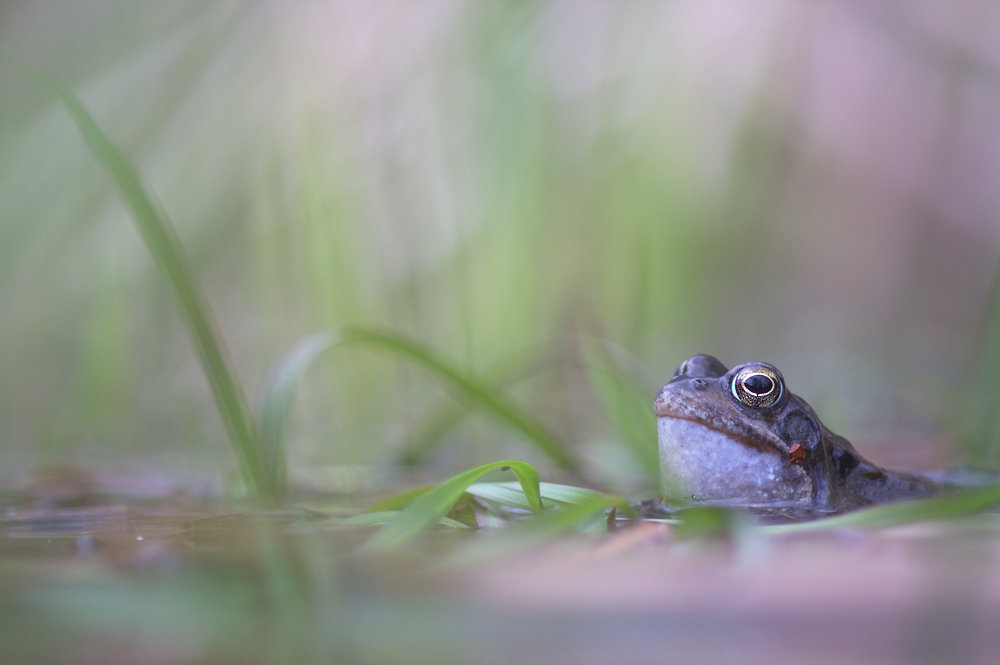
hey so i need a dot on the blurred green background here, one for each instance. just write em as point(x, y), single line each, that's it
point(813, 184)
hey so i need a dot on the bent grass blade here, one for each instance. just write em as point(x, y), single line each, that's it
point(275, 403)
point(587, 516)
point(401, 500)
point(276, 400)
point(162, 242)
point(426, 511)
point(509, 371)
point(430, 433)
point(510, 494)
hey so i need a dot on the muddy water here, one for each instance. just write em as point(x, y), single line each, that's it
point(184, 580)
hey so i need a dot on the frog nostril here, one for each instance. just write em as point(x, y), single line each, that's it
point(699, 383)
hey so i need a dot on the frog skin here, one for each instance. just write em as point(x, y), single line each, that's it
point(740, 437)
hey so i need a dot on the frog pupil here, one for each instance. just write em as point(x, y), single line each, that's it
point(758, 384)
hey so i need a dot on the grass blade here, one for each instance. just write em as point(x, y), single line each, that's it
point(510, 494)
point(279, 392)
point(424, 438)
point(625, 407)
point(275, 403)
point(502, 493)
point(162, 242)
point(568, 494)
point(425, 512)
point(506, 373)
point(704, 522)
point(980, 428)
point(587, 516)
point(401, 500)
point(903, 512)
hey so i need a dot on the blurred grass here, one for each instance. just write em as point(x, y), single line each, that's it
point(162, 242)
point(263, 456)
point(276, 400)
point(429, 434)
point(478, 179)
point(981, 408)
point(627, 408)
point(494, 267)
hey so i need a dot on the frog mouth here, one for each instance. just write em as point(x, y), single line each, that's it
point(747, 441)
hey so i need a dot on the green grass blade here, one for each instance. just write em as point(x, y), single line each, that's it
point(701, 522)
point(584, 516)
point(980, 410)
point(567, 493)
point(428, 510)
point(276, 400)
point(507, 493)
point(401, 500)
point(903, 512)
point(625, 407)
point(576, 516)
point(162, 242)
point(510, 494)
point(501, 493)
point(275, 403)
point(427, 435)
point(479, 393)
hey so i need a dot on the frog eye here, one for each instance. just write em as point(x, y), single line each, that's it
point(757, 386)
point(681, 369)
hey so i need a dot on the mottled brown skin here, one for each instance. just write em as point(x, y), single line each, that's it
point(793, 460)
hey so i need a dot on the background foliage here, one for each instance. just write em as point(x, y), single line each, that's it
point(547, 193)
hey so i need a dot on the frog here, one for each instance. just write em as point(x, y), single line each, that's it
point(740, 437)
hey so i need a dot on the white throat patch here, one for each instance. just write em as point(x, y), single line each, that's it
point(699, 462)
